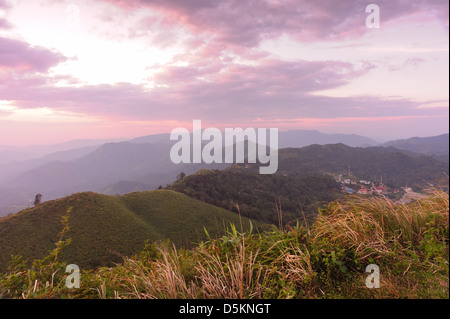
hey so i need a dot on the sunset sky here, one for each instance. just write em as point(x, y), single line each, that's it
point(90, 69)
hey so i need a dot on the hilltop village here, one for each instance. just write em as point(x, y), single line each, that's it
point(350, 184)
point(367, 187)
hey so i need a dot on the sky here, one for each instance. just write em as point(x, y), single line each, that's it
point(90, 69)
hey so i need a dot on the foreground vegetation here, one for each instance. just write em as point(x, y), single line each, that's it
point(409, 243)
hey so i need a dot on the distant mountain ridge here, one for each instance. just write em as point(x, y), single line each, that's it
point(13, 154)
point(113, 168)
point(435, 146)
point(306, 178)
point(427, 145)
point(302, 138)
point(138, 164)
point(395, 166)
point(109, 167)
point(291, 138)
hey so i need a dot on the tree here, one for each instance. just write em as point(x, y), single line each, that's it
point(37, 199)
point(181, 176)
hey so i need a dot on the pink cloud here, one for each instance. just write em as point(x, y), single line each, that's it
point(247, 23)
point(218, 93)
point(20, 57)
point(4, 4)
point(4, 24)
point(218, 85)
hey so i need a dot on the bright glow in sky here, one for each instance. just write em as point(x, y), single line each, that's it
point(110, 68)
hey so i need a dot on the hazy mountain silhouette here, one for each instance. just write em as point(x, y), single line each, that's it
point(301, 138)
point(435, 146)
point(139, 164)
point(10, 154)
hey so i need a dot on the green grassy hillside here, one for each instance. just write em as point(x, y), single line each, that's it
point(104, 228)
point(326, 260)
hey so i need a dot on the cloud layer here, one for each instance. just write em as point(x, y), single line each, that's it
point(220, 73)
point(247, 23)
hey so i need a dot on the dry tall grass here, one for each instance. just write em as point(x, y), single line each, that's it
point(239, 276)
point(365, 229)
point(158, 279)
point(280, 264)
point(371, 225)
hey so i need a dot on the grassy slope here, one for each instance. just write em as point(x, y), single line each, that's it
point(409, 243)
point(103, 228)
point(179, 217)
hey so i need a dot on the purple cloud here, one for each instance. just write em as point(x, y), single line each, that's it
point(4, 4)
point(21, 57)
point(4, 24)
point(216, 85)
point(270, 90)
point(247, 23)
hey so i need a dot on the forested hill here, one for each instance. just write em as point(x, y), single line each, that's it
point(395, 167)
point(306, 179)
point(255, 195)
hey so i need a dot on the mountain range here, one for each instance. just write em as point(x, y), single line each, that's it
point(307, 178)
point(143, 163)
point(435, 146)
point(10, 154)
point(110, 192)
